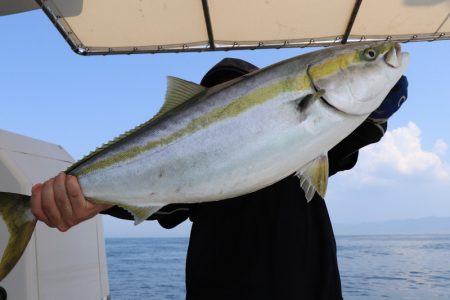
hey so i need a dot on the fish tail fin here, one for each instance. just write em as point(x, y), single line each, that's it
point(15, 211)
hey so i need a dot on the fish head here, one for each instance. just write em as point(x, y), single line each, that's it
point(357, 78)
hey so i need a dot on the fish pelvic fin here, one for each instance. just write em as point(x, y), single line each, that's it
point(140, 214)
point(15, 210)
point(314, 177)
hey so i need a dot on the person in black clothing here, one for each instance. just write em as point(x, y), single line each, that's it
point(269, 244)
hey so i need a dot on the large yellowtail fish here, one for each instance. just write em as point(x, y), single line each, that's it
point(232, 139)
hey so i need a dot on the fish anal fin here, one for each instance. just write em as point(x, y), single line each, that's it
point(314, 177)
point(140, 214)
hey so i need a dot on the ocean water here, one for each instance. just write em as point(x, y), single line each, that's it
point(395, 266)
point(146, 268)
point(371, 267)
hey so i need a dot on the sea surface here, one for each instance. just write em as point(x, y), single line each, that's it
point(371, 267)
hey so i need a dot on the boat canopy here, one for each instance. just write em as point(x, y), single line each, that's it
point(157, 26)
point(8, 7)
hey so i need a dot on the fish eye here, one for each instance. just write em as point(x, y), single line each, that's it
point(370, 54)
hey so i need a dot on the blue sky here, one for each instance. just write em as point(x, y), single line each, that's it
point(50, 93)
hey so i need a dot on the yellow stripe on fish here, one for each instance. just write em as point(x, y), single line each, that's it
point(233, 109)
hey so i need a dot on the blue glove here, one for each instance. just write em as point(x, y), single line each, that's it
point(396, 97)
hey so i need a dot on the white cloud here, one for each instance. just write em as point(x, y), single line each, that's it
point(401, 151)
point(399, 177)
point(440, 147)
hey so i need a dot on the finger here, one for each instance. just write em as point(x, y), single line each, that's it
point(62, 200)
point(79, 204)
point(82, 208)
point(36, 204)
point(49, 207)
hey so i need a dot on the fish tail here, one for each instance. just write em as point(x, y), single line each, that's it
point(15, 211)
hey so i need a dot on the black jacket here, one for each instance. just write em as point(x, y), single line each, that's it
point(270, 244)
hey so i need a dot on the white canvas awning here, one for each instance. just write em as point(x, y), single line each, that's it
point(134, 26)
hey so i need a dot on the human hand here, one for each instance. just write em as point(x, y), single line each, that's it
point(396, 97)
point(59, 203)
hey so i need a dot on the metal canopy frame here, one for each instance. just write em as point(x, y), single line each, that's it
point(348, 30)
point(212, 45)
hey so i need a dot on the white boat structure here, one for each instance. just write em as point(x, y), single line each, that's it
point(55, 265)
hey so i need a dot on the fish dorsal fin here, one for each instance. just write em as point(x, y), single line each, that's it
point(314, 177)
point(178, 92)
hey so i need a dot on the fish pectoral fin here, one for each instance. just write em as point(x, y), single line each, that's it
point(140, 214)
point(314, 177)
point(307, 100)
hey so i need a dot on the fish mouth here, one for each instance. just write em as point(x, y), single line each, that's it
point(394, 56)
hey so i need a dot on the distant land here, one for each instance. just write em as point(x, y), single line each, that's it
point(429, 225)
